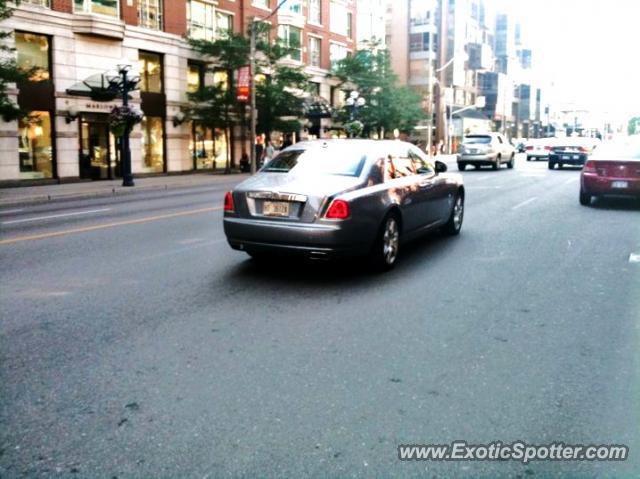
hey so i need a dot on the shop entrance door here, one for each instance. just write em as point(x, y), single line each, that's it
point(99, 158)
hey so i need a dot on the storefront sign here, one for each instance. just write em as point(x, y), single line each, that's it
point(244, 78)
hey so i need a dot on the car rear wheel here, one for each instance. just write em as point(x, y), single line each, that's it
point(528, 158)
point(387, 244)
point(511, 162)
point(551, 165)
point(496, 165)
point(462, 166)
point(559, 166)
point(585, 198)
point(454, 224)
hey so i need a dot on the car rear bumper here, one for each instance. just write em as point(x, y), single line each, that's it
point(577, 159)
point(477, 159)
point(602, 185)
point(315, 240)
point(538, 155)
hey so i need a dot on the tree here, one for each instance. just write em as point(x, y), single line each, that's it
point(277, 98)
point(9, 71)
point(634, 126)
point(215, 106)
point(388, 106)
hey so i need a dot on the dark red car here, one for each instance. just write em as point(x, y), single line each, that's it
point(613, 170)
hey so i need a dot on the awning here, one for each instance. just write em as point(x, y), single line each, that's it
point(317, 107)
point(98, 87)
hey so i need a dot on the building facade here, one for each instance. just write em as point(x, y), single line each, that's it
point(71, 44)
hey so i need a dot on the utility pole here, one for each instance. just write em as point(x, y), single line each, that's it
point(430, 88)
point(127, 84)
point(252, 89)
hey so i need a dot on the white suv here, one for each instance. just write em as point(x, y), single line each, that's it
point(487, 149)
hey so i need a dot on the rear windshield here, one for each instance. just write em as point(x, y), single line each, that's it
point(325, 161)
point(483, 140)
point(619, 150)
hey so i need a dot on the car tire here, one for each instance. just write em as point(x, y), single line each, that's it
point(496, 165)
point(585, 198)
point(386, 247)
point(454, 224)
point(559, 166)
point(528, 158)
point(462, 166)
point(551, 165)
point(511, 162)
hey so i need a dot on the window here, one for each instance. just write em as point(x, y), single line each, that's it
point(200, 20)
point(39, 3)
point(224, 24)
point(205, 23)
point(315, 47)
point(101, 7)
point(419, 42)
point(33, 54)
point(341, 160)
point(315, 11)
point(349, 25)
point(153, 143)
point(294, 6)
point(150, 72)
point(337, 52)
point(290, 37)
point(338, 18)
point(35, 145)
point(195, 77)
point(150, 14)
point(221, 79)
point(261, 3)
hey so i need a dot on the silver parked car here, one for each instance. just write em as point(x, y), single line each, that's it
point(489, 149)
point(329, 198)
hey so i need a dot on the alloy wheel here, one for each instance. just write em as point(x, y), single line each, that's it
point(390, 241)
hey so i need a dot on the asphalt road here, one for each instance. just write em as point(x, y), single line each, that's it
point(135, 343)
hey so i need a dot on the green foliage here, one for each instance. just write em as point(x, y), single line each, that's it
point(275, 94)
point(388, 106)
point(633, 127)
point(9, 72)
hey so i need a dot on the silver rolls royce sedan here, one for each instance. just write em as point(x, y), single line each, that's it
point(334, 198)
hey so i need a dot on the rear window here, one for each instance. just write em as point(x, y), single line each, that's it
point(483, 140)
point(629, 149)
point(324, 161)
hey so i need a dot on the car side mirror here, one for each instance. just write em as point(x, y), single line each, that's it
point(440, 167)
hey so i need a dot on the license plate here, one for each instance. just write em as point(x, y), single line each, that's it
point(566, 157)
point(619, 184)
point(576, 157)
point(275, 208)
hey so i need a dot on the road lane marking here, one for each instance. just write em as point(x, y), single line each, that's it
point(63, 215)
point(524, 203)
point(634, 258)
point(108, 225)
point(8, 212)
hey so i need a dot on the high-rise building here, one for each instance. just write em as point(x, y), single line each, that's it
point(72, 43)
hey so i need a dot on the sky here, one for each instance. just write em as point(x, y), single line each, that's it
point(588, 49)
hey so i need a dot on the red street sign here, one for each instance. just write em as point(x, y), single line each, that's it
point(242, 90)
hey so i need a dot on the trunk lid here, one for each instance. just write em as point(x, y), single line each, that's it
point(625, 169)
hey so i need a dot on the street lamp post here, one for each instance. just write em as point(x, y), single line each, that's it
point(125, 85)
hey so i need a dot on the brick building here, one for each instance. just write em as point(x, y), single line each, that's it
point(73, 42)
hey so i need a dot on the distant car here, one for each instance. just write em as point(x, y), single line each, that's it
point(333, 198)
point(490, 149)
point(539, 149)
point(572, 151)
point(613, 170)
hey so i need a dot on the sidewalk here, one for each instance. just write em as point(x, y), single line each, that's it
point(24, 195)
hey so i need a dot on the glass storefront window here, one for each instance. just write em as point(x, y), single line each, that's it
point(194, 77)
point(150, 72)
point(208, 147)
point(221, 79)
point(150, 14)
point(33, 53)
point(35, 145)
point(101, 7)
point(153, 144)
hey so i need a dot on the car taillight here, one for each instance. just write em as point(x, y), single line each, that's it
point(338, 210)
point(590, 167)
point(228, 202)
point(548, 148)
point(529, 148)
point(582, 149)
